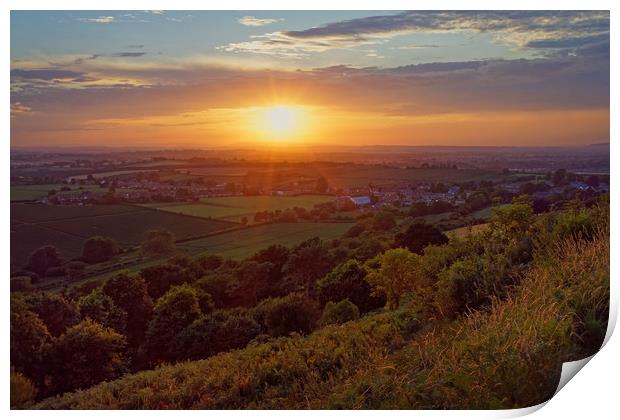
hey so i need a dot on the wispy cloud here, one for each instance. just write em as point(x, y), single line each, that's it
point(99, 19)
point(18, 108)
point(523, 29)
point(254, 21)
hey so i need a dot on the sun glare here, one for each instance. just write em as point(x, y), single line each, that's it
point(281, 122)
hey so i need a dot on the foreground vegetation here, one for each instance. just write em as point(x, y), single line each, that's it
point(372, 320)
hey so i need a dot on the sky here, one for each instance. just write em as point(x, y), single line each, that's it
point(222, 79)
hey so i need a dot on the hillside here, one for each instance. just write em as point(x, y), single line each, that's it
point(506, 355)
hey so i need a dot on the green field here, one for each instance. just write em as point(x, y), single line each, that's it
point(235, 244)
point(245, 242)
point(33, 192)
point(234, 208)
point(66, 227)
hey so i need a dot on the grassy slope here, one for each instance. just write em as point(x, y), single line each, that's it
point(509, 357)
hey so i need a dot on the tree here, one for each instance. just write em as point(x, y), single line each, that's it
point(29, 339)
point(308, 262)
point(512, 222)
point(398, 273)
point(158, 242)
point(42, 259)
point(101, 308)
point(129, 293)
point(218, 332)
point(252, 283)
point(98, 249)
point(321, 185)
point(277, 255)
point(348, 281)
point(295, 312)
point(383, 221)
point(173, 312)
point(159, 278)
point(339, 313)
point(57, 312)
point(86, 354)
point(476, 201)
point(418, 236)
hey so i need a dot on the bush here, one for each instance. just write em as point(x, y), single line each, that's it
point(292, 313)
point(418, 236)
point(339, 313)
point(42, 259)
point(158, 242)
point(348, 281)
point(98, 249)
point(23, 391)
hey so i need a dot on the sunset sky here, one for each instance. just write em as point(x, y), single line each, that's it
point(209, 79)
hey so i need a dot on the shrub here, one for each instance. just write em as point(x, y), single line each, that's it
point(42, 259)
point(158, 242)
point(348, 281)
point(292, 313)
point(339, 313)
point(98, 249)
point(418, 236)
point(23, 391)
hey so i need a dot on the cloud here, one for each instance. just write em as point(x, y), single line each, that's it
point(19, 108)
point(46, 74)
point(135, 46)
point(418, 46)
point(100, 19)
point(523, 29)
point(254, 21)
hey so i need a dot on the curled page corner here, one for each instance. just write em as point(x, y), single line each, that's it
point(569, 370)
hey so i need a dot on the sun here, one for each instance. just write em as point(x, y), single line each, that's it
point(281, 122)
point(282, 119)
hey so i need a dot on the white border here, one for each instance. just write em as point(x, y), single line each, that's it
point(592, 394)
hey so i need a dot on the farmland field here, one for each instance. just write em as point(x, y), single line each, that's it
point(235, 244)
point(245, 242)
point(66, 227)
point(345, 175)
point(234, 208)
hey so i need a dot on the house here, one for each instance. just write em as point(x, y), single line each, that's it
point(347, 202)
point(360, 201)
